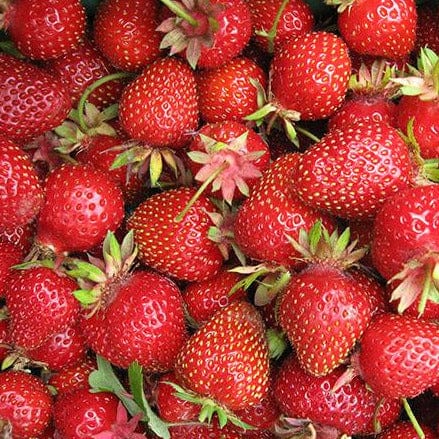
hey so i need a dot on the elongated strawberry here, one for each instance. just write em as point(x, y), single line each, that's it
point(160, 106)
point(125, 32)
point(399, 355)
point(353, 170)
point(82, 203)
point(45, 29)
point(26, 405)
point(352, 408)
point(181, 249)
point(33, 101)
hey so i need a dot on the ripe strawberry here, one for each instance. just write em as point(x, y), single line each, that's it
point(351, 172)
point(10, 255)
point(310, 75)
point(271, 212)
point(181, 249)
point(33, 101)
point(21, 236)
point(296, 18)
point(228, 92)
point(324, 309)
point(351, 408)
point(80, 414)
point(427, 29)
point(160, 107)
point(40, 303)
point(82, 203)
point(399, 355)
point(227, 358)
point(45, 29)
point(378, 27)
point(405, 430)
point(209, 33)
point(22, 194)
point(203, 431)
point(125, 32)
point(25, 403)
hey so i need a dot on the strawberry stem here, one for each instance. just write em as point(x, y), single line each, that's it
point(200, 190)
point(413, 419)
point(180, 12)
point(307, 133)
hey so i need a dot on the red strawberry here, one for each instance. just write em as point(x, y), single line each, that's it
point(160, 107)
point(82, 204)
point(350, 408)
point(32, 102)
point(399, 355)
point(227, 358)
point(45, 29)
point(22, 194)
point(209, 33)
point(296, 18)
point(21, 236)
point(203, 431)
point(25, 403)
point(352, 171)
point(271, 212)
point(40, 303)
point(81, 414)
point(125, 32)
point(378, 27)
point(405, 430)
point(10, 255)
point(228, 92)
point(181, 249)
point(427, 29)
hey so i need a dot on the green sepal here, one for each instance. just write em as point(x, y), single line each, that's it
point(47, 263)
point(277, 343)
point(85, 270)
point(85, 297)
point(155, 167)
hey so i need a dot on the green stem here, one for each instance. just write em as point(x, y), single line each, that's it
point(273, 31)
point(431, 169)
point(180, 12)
point(90, 89)
point(200, 190)
point(307, 134)
point(413, 419)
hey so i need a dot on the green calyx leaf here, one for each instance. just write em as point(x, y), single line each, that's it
point(85, 270)
point(277, 343)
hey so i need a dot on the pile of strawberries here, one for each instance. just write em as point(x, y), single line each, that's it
point(219, 219)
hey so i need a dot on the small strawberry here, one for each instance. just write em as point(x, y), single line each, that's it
point(26, 405)
point(352, 171)
point(405, 430)
point(33, 101)
point(182, 248)
point(82, 203)
point(399, 355)
point(125, 32)
point(378, 27)
point(227, 358)
point(45, 29)
point(160, 106)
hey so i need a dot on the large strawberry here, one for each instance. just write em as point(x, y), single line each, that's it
point(45, 29)
point(125, 32)
point(26, 405)
point(32, 100)
point(82, 203)
point(378, 27)
point(399, 355)
point(351, 171)
point(160, 107)
point(180, 248)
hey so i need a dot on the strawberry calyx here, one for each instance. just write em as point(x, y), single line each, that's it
point(277, 343)
point(342, 5)
point(4, 6)
point(192, 28)
point(296, 428)
point(209, 408)
point(5, 429)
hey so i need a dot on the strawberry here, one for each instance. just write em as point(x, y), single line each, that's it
point(270, 30)
point(351, 171)
point(81, 413)
point(160, 106)
point(182, 248)
point(378, 27)
point(324, 309)
point(228, 92)
point(40, 303)
point(21, 236)
point(82, 203)
point(227, 358)
point(45, 29)
point(405, 245)
point(125, 32)
point(427, 29)
point(405, 430)
point(399, 355)
point(26, 405)
point(208, 33)
point(32, 102)
point(351, 408)
point(271, 212)
point(203, 431)
point(10, 255)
